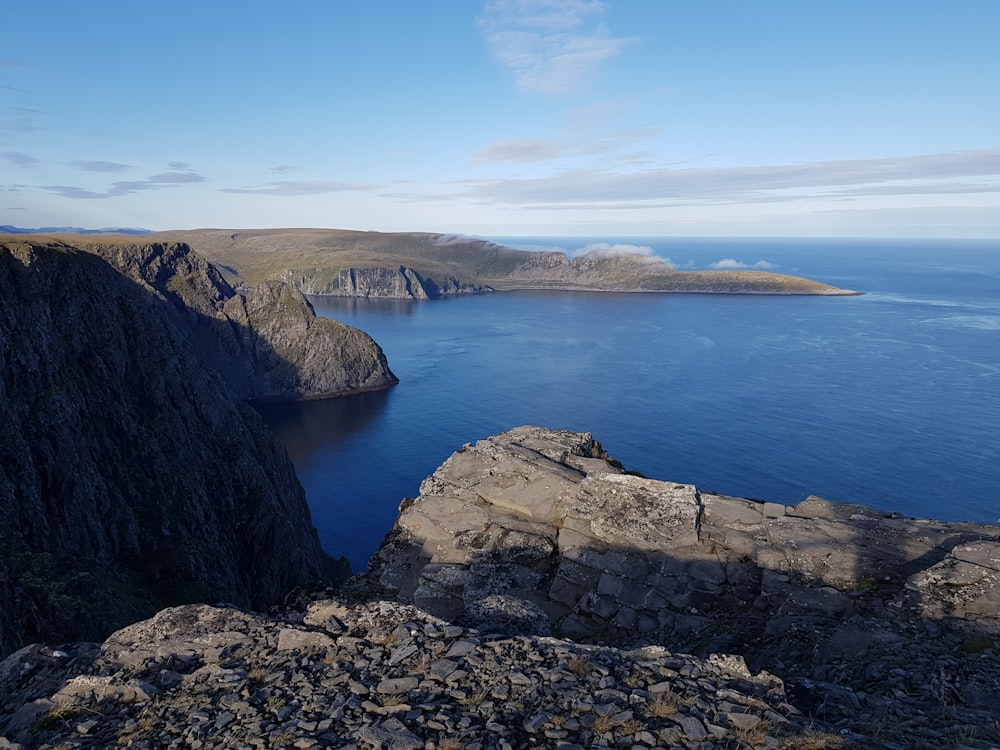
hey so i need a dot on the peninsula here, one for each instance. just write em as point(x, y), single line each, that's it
point(427, 266)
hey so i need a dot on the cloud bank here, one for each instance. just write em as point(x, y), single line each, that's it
point(288, 188)
point(551, 46)
point(180, 174)
point(926, 174)
point(526, 150)
point(732, 263)
point(100, 166)
point(18, 159)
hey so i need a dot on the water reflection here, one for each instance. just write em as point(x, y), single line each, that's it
point(309, 428)
point(330, 307)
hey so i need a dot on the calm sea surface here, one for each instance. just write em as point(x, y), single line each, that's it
point(891, 399)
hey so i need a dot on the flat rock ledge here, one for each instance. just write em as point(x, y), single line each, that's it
point(380, 675)
point(881, 625)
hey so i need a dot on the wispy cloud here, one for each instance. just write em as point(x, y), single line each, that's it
point(292, 188)
point(284, 169)
point(21, 119)
point(180, 174)
point(110, 167)
point(18, 158)
point(577, 144)
point(519, 149)
point(669, 186)
point(731, 263)
point(551, 46)
point(646, 255)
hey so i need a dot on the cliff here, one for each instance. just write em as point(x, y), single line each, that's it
point(540, 531)
point(267, 342)
point(331, 261)
point(131, 477)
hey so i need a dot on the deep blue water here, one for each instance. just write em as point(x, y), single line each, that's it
point(891, 399)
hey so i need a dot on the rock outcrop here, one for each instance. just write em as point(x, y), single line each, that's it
point(540, 531)
point(381, 675)
point(379, 282)
point(131, 477)
point(267, 342)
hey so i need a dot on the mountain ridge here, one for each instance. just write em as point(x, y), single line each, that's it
point(319, 258)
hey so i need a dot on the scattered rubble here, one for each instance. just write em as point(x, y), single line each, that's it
point(380, 675)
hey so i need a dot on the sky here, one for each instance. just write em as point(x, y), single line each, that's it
point(622, 118)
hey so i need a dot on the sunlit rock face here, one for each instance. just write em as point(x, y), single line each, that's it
point(538, 530)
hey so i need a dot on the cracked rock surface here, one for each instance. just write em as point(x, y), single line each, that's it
point(873, 619)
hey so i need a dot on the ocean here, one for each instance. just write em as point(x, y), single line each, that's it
point(890, 398)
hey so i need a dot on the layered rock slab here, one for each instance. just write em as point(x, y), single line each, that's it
point(537, 530)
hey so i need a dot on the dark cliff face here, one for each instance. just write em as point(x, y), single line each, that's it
point(267, 344)
point(130, 476)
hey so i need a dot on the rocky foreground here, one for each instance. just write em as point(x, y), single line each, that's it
point(558, 595)
point(381, 675)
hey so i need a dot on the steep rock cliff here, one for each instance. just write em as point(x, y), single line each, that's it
point(267, 343)
point(130, 476)
point(380, 281)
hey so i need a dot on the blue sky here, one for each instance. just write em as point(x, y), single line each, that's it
point(506, 117)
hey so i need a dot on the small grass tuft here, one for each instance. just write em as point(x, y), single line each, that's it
point(631, 727)
point(141, 729)
point(754, 735)
point(580, 666)
point(258, 674)
point(812, 739)
point(474, 698)
point(390, 699)
point(632, 680)
point(664, 704)
point(57, 715)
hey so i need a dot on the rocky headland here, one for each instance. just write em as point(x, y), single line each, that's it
point(412, 265)
point(266, 340)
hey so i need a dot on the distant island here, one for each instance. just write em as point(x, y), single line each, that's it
point(8, 229)
point(417, 265)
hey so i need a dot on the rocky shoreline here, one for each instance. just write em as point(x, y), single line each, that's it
point(417, 265)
